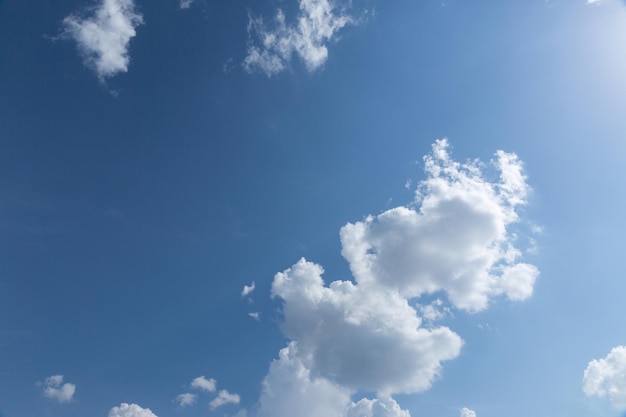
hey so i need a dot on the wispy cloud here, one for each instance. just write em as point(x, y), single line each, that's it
point(185, 4)
point(255, 315)
point(224, 397)
point(457, 242)
point(130, 410)
point(103, 36)
point(607, 376)
point(53, 387)
point(186, 399)
point(271, 50)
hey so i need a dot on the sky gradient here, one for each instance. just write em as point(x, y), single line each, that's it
point(312, 208)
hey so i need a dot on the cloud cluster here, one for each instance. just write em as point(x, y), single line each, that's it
point(457, 243)
point(53, 387)
point(103, 38)
point(607, 376)
point(130, 410)
point(201, 383)
point(271, 50)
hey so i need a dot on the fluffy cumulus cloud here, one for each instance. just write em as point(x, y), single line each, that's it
point(53, 387)
point(224, 397)
point(204, 384)
point(457, 241)
point(103, 37)
point(318, 21)
point(453, 240)
point(607, 376)
point(466, 412)
point(130, 410)
point(337, 329)
point(290, 386)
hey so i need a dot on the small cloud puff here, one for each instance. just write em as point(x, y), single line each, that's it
point(466, 412)
point(607, 376)
point(186, 399)
point(103, 38)
point(224, 397)
point(130, 410)
point(185, 4)
point(255, 315)
point(247, 289)
point(53, 387)
point(318, 23)
point(204, 384)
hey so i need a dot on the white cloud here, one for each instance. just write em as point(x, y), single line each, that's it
point(382, 407)
point(185, 4)
point(204, 384)
point(53, 387)
point(466, 412)
point(318, 23)
point(224, 397)
point(247, 289)
point(103, 37)
point(289, 386)
point(186, 399)
point(130, 410)
point(457, 241)
point(255, 315)
point(338, 328)
point(607, 376)
point(364, 335)
point(434, 311)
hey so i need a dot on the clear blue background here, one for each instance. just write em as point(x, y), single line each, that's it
point(129, 224)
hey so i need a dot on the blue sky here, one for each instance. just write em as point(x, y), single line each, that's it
point(174, 176)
